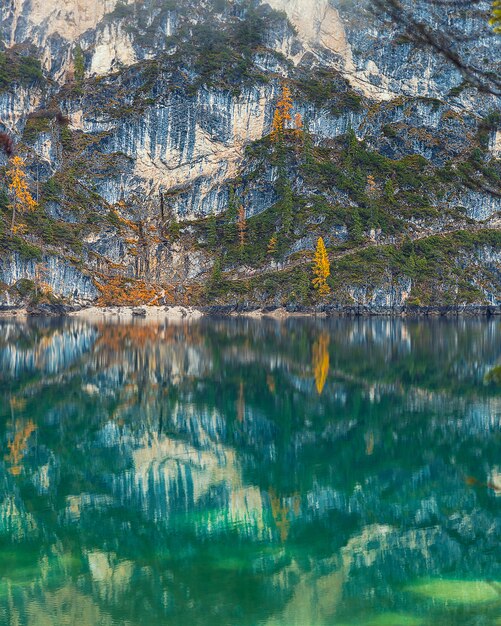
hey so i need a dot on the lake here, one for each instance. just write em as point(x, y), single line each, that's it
point(250, 473)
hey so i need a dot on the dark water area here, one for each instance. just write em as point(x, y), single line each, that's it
point(250, 473)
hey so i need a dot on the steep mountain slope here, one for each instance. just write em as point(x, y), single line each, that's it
point(146, 125)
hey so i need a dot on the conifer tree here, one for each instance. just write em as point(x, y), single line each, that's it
point(231, 216)
point(232, 205)
point(298, 126)
point(351, 144)
point(357, 231)
point(321, 269)
point(282, 115)
point(307, 145)
point(217, 272)
point(389, 191)
point(22, 200)
point(272, 245)
point(287, 206)
point(281, 122)
point(242, 226)
point(371, 194)
point(277, 127)
point(79, 65)
point(215, 278)
point(304, 285)
point(411, 264)
point(174, 227)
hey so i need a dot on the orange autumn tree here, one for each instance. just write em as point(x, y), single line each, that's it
point(298, 126)
point(22, 200)
point(321, 269)
point(371, 184)
point(277, 126)
point(122, 291)
point(282, 115)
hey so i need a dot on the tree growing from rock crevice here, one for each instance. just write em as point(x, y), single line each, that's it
point(357, 229)
point(272, 245)
point(282, 115)
point(241, 226)
point(212, 230)
point(22, 200)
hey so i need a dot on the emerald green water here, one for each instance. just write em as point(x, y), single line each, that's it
point(250, 473)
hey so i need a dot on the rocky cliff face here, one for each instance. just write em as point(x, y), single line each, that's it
point(144, 117)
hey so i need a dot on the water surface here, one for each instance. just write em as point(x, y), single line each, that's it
point(250, 473)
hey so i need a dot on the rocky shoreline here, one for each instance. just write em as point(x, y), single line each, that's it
point(179, 313)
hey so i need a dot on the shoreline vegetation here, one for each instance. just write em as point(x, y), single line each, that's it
point(180, 313)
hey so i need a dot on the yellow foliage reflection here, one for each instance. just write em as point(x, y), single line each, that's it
point(270, 381)
point(280, 515)
point(369, 443)
point(321, 361)
point(241, 403)
point(17, 446)
point(17, 404)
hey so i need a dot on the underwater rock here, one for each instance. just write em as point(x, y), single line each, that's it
point(467, 592)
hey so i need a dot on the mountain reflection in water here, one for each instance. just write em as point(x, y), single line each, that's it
point(250, 472)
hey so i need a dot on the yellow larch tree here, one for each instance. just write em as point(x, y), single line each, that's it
point(282, 115)
point(321, 269)
point(495, 20)
point(22, 200)
point(285, 104)
point(18, 445)
point(272, 245)
point(277, 127)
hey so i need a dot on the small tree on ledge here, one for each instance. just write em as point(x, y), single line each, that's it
point(242, 226)
point(272, 245)
point(282, 115)
point(22, 200)
point(321, 269)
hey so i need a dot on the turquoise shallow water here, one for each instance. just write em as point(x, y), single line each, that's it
point(250, 473)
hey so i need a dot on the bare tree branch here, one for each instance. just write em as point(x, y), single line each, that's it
point(446, 41)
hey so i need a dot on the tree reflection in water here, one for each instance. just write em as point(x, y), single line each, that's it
point(250, 472)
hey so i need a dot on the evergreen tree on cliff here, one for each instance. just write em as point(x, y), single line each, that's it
point(22, 200)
